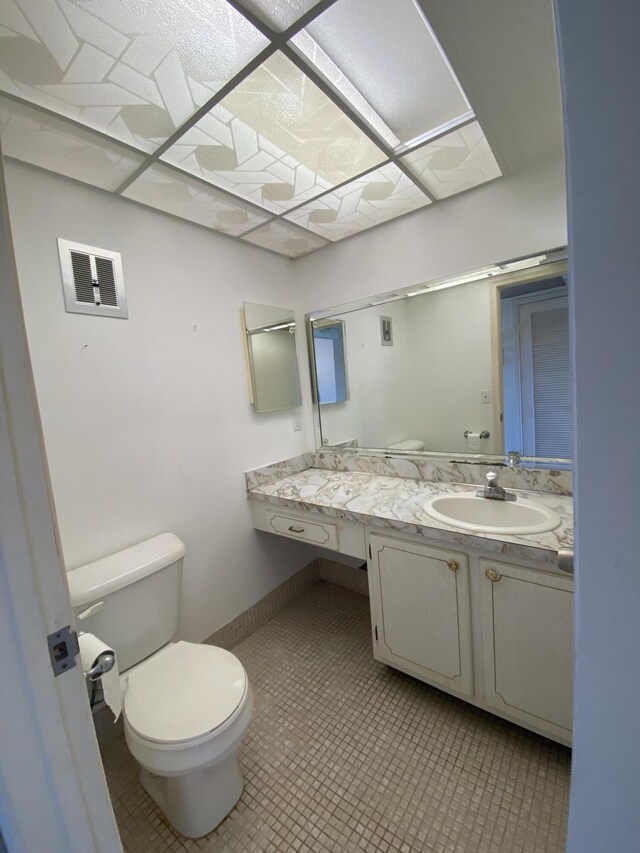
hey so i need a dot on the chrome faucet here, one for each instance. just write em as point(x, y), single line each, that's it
point(513, 459)
point(493, 491)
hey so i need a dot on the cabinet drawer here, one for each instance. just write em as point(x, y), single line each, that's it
point(319, 532)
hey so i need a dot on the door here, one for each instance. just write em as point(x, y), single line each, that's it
point(421, 611)
point(527, 630)
point(537, 374)
point(53, 793)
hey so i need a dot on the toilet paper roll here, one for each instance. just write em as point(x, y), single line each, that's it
point(473, 442)
point(91, 650)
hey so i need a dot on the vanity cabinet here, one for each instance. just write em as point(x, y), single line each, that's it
point(421, 613)
point(496, 634)
point(526, 629)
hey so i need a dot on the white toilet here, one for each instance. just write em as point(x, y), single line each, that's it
point(186, 706)
point(409, 444)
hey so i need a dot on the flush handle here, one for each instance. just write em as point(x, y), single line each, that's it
point(95, 608)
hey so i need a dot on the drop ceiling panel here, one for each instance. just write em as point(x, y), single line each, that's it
point(378, 196)
point(165, 189)
point(279, 14)
point(391, 56)
point(319, 58)
point(455, 162)
point(135, 70)
point(276, 140)
point(285, 239)
point(34, 137)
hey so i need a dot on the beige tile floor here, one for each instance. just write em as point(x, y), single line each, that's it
point(346, 754)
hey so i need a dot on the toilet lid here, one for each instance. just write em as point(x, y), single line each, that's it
point(184, 692)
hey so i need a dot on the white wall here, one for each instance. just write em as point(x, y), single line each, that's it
point(147, 421)
point(600, 62)
point(450, 334)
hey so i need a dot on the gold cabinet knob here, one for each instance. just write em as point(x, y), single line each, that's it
point(453, 565)
point(492, 575)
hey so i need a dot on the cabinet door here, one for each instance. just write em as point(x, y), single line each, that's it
point(527, 629)
point(421, 615)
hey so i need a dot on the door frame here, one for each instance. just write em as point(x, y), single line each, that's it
point(53, 791)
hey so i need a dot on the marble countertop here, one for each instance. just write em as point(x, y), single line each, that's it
point(398, 503)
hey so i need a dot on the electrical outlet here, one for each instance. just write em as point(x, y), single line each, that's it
point(485, 396)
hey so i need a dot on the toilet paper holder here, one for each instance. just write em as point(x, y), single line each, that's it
point(104, 664)
point(484, 434)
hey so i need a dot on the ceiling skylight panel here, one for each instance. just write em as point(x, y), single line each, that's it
point(285, 239)
point(391, 56)
point(134, 69)
point(276, 140)
point(312, 51)
point(34, 137)
point(377, 197)
point(455, 162)
point(165, 189)
point(279, 14)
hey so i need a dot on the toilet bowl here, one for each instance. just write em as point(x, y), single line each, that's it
point(186, 710)
point(186, 706)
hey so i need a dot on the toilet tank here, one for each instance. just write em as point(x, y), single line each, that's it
point(131, 600)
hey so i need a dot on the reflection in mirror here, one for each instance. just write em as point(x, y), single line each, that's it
point(271, 353)
point(331, 376)
point(478, 368)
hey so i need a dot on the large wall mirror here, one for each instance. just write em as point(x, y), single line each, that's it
point(271, 353)
point(475, 365)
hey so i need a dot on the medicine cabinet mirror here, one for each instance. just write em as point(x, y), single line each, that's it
point(270, 335)
point(476, 366)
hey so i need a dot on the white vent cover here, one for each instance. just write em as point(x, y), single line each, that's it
point(92, 280)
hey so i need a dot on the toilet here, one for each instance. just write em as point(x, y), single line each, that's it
point(186, 706)
point(408, 445)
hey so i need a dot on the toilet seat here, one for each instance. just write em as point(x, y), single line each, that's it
point(184, 695)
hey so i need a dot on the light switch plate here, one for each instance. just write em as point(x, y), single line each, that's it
point(485, 396)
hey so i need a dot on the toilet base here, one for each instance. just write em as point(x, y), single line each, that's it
point(195, 803)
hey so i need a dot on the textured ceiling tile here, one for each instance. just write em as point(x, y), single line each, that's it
point(34, 137)
point(290, 121)
point(156, 62)
point(279, 14)
point(455, 162)
point(165, 189)
point(285, 239)
point(392, 58)
point(377, 197)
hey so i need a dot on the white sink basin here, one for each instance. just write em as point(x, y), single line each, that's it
point(470, 512)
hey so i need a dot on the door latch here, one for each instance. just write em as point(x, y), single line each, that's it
point(63, 648)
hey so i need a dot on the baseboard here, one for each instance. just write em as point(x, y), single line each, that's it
point(250, 620)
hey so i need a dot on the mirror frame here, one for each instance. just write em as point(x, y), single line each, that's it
point(504, 273)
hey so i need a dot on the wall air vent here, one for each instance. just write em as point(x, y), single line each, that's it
point(92, 280)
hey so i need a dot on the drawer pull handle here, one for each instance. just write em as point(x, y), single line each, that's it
point(296, 529)
point(492, 575)
point(453, 565)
